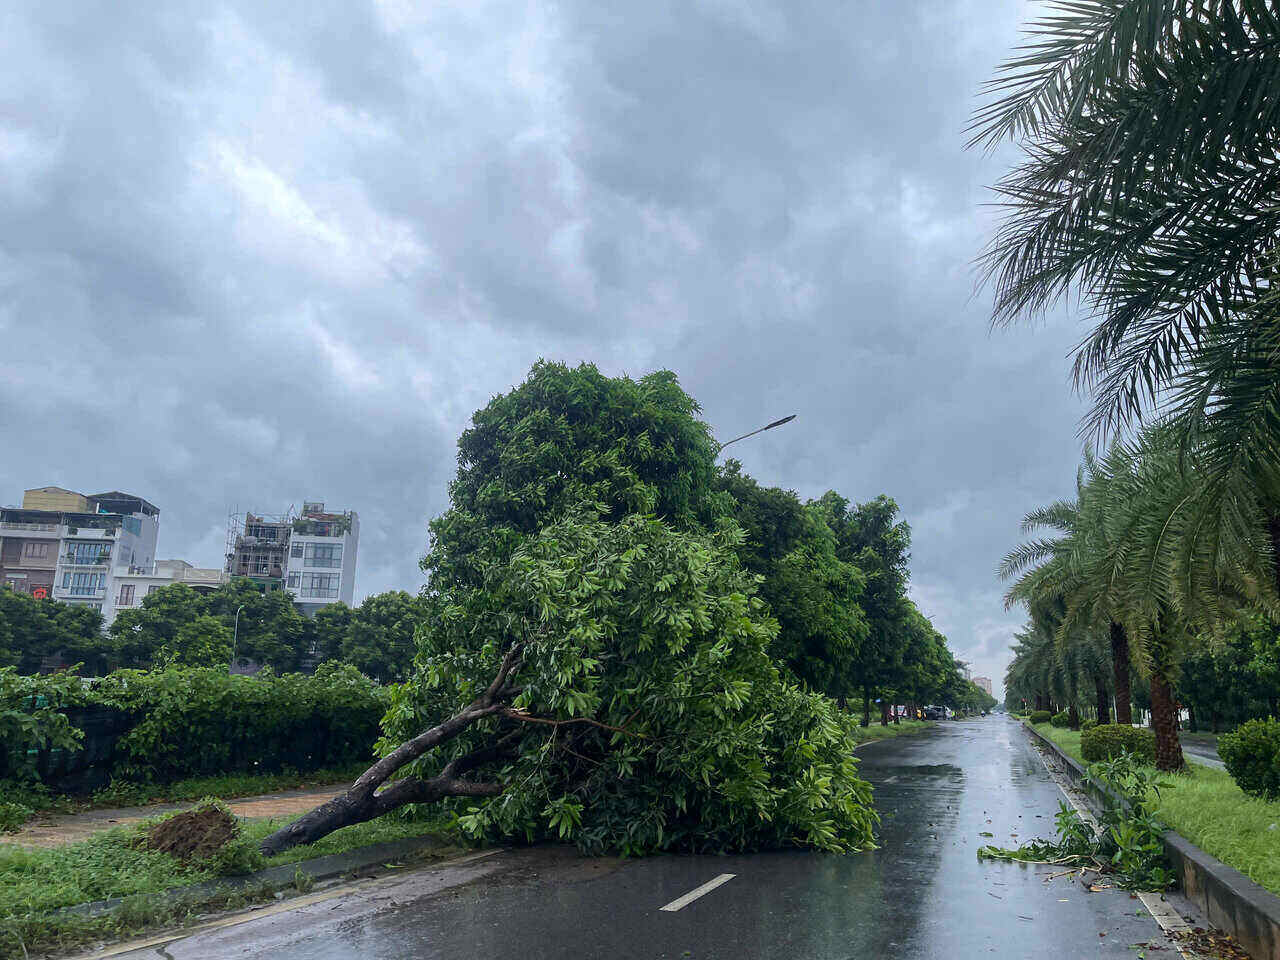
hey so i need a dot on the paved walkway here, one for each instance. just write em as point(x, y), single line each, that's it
point(57, 829)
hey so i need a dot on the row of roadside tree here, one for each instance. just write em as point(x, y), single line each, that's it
point(1146, 192)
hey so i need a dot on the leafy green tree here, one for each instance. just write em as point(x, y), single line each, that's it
point(141, 632)
point(271, 632)
point(813, 594)
point(563, 437)
point(31, 630)
point(610, 683)
point(202, 642)
point(379, 638)
point(872, 538)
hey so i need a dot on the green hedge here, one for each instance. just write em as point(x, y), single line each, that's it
point(178, 723)
point(1109, 740)
point(1062, 719)
point(1251, 754)
point(1041, 716)
point(1088, 724)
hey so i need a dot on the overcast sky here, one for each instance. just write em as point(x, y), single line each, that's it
point(255, 253)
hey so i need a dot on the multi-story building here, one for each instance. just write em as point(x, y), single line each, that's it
point(130, 585)
point(322, 557)
point(69, 546)
point(312, 555)
point(984, 683)
point(259, 549)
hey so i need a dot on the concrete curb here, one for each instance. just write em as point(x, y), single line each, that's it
point(1229, 899)
point(319, 868)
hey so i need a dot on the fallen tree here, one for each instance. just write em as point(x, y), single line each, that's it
point(610, 684)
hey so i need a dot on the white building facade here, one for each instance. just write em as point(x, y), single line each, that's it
point(320, 567)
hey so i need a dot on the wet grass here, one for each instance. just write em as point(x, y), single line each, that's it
point(35, 883)
point(1206, 807)
point(901, 729)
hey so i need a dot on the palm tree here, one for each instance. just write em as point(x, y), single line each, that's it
point(1056, 568)
point(1152, 137)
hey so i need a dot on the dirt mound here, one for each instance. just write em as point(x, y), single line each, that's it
point(195, 835)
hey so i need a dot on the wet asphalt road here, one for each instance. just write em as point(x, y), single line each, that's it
point(923, 894)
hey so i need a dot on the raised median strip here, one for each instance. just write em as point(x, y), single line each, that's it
point(1229, 899)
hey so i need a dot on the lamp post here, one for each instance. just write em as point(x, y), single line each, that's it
point(769, 426)
point(235, 639)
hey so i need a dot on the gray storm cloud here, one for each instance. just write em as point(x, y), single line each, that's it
point(249, 256)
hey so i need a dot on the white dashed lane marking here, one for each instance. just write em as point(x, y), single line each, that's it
point(696, 892)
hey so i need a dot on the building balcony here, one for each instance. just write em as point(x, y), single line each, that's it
point(45, 531)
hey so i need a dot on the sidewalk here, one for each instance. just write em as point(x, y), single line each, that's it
point(57, 829)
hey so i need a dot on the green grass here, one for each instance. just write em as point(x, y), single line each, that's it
point(35, 883)
point(901, 729)
point(361, 835)
point(1206, 807)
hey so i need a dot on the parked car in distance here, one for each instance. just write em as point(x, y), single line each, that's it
point(935, 713)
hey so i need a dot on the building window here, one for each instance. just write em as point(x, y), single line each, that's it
point(296, 551)
point(83, 584)
point(126, 595)
point(87, 554)
point(35, 550)
point(322, 586)
point(323, 555)
point(293, 581)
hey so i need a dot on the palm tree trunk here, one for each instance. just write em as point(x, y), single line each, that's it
point(1073, 716)
point(1120, 665)
point(1103, 702)
point(1164, 720)
point(1273, 527)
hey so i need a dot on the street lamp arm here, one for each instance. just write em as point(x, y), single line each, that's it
point(770, 426)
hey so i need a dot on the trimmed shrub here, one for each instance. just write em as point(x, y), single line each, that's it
point(178, 723)
point(1108, 740)
point(1251, 754)
point(1087, 724)
point(1040, 716)
point(1062, 719)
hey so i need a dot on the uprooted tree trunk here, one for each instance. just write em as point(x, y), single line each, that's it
point(364, 801)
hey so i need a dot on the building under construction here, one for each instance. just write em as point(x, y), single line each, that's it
point(257, 548)
point(312, 555)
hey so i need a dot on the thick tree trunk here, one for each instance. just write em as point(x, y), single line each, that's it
point(363, 801)
point(1120, 666)
point(1073, 717)
point(884, 712)
point(866, 707)
point(1102, 701)
point(1164, 720)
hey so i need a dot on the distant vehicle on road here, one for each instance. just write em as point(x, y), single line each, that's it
point(935, 713)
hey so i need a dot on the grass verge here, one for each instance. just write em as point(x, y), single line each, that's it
point(121, 793)
point(900, 729)
point(34, 884)
point(1206, 807)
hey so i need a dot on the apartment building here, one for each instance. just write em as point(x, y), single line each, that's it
point(312, 555)
point(321, 566)
point(68, 546)
point(984, 683)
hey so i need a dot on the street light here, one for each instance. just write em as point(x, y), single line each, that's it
point(776, 423)
point(235, 639)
